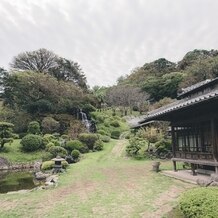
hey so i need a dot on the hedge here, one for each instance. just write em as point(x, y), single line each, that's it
point(200, 203)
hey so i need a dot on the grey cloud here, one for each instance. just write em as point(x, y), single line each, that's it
point(107, 38)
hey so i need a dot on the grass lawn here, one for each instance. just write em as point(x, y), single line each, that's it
point(13, 153)
point(102, 184)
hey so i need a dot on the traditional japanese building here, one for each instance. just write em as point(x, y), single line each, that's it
point(194, 125)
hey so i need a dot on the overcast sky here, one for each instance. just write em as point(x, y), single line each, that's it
point(108, 38)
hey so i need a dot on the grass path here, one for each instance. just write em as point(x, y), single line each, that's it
point(102, 184)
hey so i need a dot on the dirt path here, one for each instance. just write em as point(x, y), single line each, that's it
point(119, 148)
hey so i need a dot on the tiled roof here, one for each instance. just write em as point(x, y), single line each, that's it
point(178, 105)
point(196, 86)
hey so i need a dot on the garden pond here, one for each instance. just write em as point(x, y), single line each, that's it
point(17, 180)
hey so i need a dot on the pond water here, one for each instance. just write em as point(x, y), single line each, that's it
point(14, 181)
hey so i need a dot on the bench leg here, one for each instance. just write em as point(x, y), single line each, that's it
point(174, 166)
point(193, 168)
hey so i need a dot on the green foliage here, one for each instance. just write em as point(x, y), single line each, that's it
point(34, 128)
point(163, 144)
point(76, 145)
point(115, 134)
point(47, 138)
point(49, 145)
point(57, 151)
point(165, 86)
point(6, 133)
point(40, 93)
point(88, 139)
point(50, 125)
point(48, 165)
point(75, 154)
point(45, 61)
point(150, 134)
point(105, 138)
point(31, 142)
point(200, 203)
point(98, 146)
point(103, 122)
point(46, 156)
point(65, 137)
point(135, 145)
point(102, 132)
point(40, 106)
point(115, 123)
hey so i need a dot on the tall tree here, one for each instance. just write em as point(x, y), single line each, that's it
point(68, 70)
point(45, 61)
point(40, 60)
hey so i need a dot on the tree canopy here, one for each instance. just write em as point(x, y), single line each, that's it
point(47, 62)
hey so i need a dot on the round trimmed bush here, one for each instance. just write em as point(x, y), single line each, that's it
point(115, 134)
point(48, 165)
point(57, 150)
point(105, 138)
point(200, 203)
point(88, 139)
point(34, 128)
point(75, 145)
point(98, 146)
point(50, 144)
point(75, 154)
point(31, 142)
point(65, 137)
point(102, 132)
point(115, 123)
point(50, 125)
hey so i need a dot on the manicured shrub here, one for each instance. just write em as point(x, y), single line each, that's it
point(98, 146)
point(34, 128)
point(115, 134)
point(115, 123)
point(135, 146)
point(163, 144)
point(105, 138)
point(48, 165)
point(48, 137)
point(50, 144)
point(46, 156)
point(76, 145)
point(65, 137)
point(88, 139)
point(57, 150)
point(56, 135)
point(75, 154)
point(31, 142)
point(102, 132)
point(200, 203)
point(56, 142)
point(50, 125)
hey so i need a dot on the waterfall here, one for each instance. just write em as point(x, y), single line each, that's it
point(85, 120)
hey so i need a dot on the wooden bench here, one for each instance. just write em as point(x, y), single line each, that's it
point(194, 163)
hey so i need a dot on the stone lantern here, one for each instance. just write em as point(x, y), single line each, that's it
point(57, 166)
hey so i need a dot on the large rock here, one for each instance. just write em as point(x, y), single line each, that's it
point(41, 176)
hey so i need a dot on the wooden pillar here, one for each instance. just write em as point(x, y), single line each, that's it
point(213, 139)
point(173, 146)
point(173, 141)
